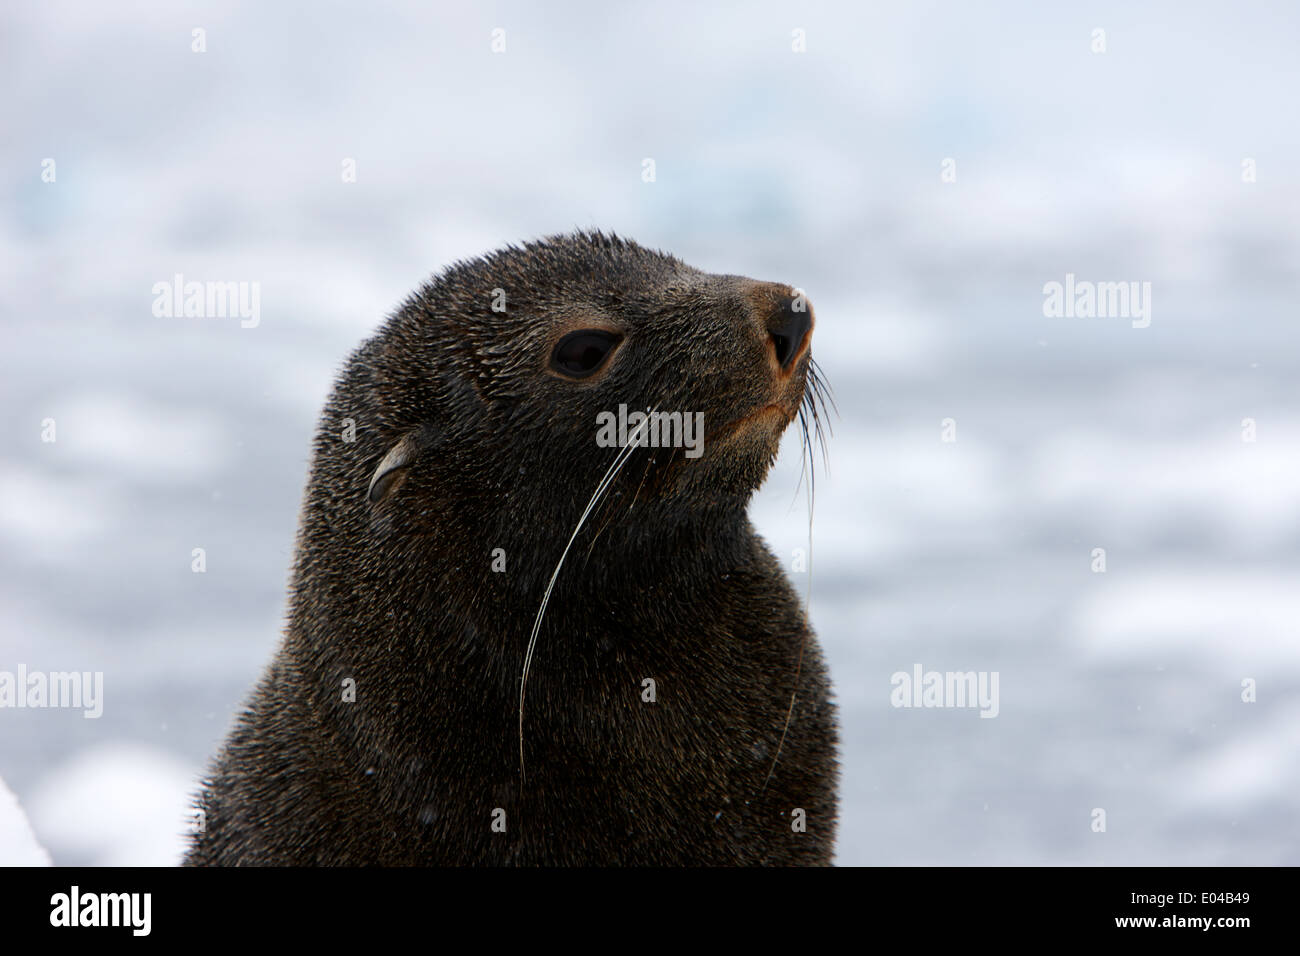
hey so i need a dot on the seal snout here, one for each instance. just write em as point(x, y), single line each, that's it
point(790, 328)
point(784, 317)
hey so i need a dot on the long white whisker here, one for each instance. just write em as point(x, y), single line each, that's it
point(619, 461)
point(807, 608)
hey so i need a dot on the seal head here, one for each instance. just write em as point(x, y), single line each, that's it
point(463, 472)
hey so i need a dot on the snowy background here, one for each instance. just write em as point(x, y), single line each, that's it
point(1119, 690)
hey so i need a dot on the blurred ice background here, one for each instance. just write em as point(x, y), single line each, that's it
point(1119, 690)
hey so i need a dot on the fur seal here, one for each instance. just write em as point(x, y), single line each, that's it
point(669, 707)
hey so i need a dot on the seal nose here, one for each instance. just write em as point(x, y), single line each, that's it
point(788, 327)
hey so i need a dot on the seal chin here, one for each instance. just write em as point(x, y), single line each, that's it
point(751, 439)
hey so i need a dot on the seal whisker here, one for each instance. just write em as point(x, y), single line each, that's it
point(620, 460)
point(803, 643)
point(644, 475)
point(612, 514)
point(804, 452)
point(814, 396)
point(821, 402)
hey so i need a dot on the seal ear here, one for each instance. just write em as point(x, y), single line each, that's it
point(392, 469)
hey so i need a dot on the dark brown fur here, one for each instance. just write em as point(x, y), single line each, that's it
point(667, 580)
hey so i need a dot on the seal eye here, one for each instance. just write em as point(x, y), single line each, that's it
point(582, 353)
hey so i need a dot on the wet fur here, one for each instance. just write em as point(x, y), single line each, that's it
point(667, 580)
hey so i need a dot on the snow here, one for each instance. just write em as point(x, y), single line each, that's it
point(115, 804)
point(18, 845)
